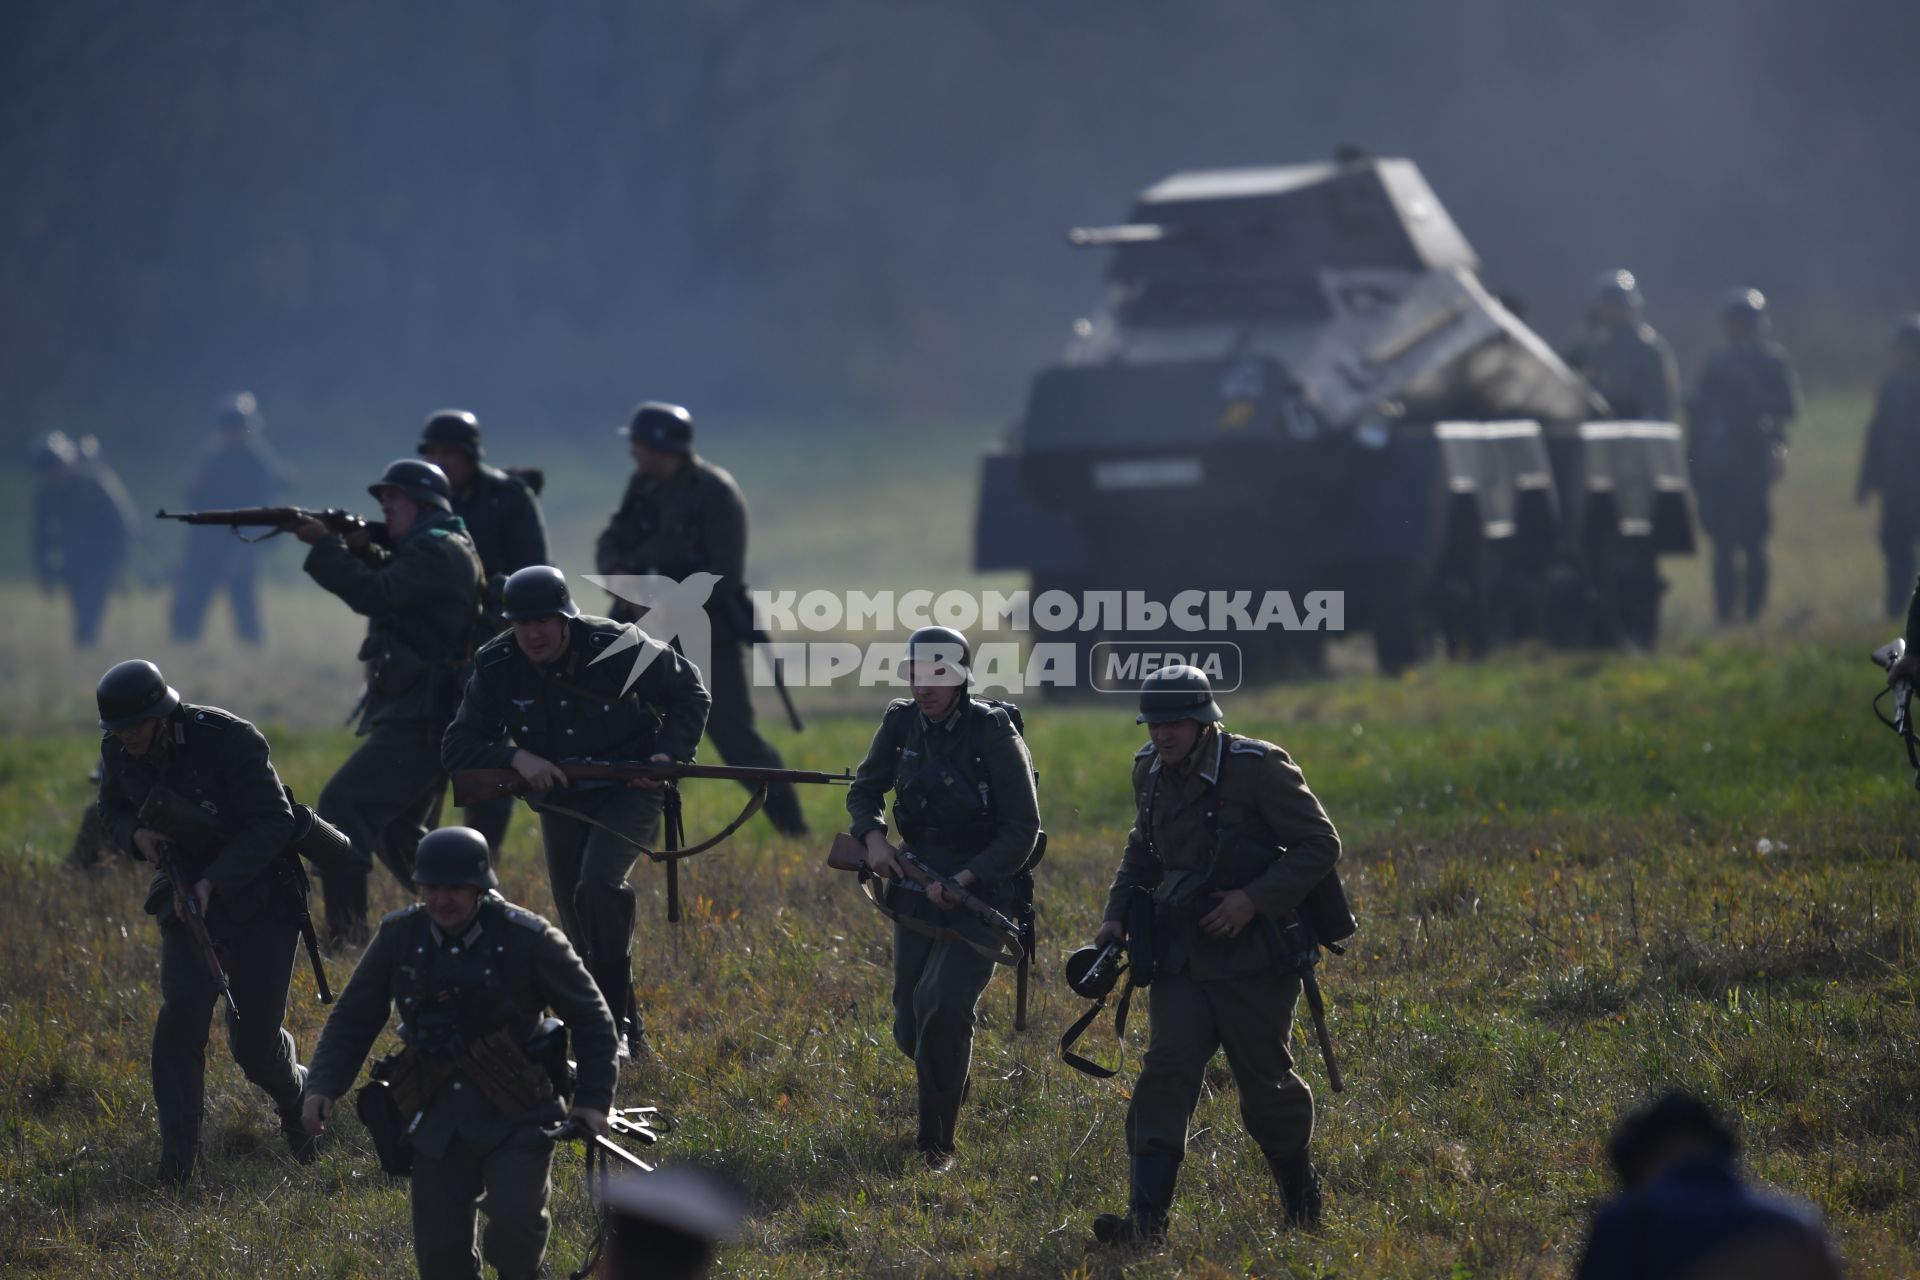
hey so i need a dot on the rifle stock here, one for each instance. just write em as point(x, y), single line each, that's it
point(848, 854)
point(189, 904)
point(471, 786)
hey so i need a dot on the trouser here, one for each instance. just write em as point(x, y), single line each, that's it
point(1251, 1018)
point(211, 564)
point(509, 1181)
point(735, 736)
point(1898, 534)
point(588, 867)
point(380, 798)
point(491, 818)
point(89, 594)
point(1739, 578)
point(258, 954)
point(936, 987)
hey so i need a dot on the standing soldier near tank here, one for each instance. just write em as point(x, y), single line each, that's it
point(1738, 416)
point(470, 975)
point(1228, 840)
point(216, 762)
point(541, 695)
point(963, 803)
point(502, 514)
point(1629, 364)
point(82, 529)
point(420, 594)
point(682, 515)
point(1891, 460)
point(237, 471)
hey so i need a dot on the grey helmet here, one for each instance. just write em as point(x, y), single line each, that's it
point(1749, 305)
point(425, 483)
point(1618, 286)
point(454, 428)
point(133, 691)
point(665, 428)
point(537, 591)
point(945, 648)
point(454, 855)
point(1177, 693)
point(238, 411)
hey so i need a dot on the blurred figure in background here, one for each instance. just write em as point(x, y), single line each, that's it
point(1685, 1211)
point(1622, 356)
point(236, 471)
point(82, 528)
point(1891, 460)
point(1737, 447)
point(502, 513)
point(669, 1224)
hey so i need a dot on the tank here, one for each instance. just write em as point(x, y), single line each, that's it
point(1299, 382)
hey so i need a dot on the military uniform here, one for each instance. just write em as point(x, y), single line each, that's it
point(1738, 414)
point(964, 800)
point(236, 472)
point(221, 763)
point(82, 535)
point(421, 599)
point(1888, 465)
point(1236, 814)
point(697, 522)
point(580, 708)
point(1633, 368)
point(503, 971)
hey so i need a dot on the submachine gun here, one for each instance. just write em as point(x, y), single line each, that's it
point(1901, 691)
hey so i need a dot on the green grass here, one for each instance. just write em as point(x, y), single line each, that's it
point(1558, 862)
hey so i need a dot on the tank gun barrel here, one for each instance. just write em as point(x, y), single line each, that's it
point(1127, 233)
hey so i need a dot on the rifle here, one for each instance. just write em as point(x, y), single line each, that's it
point(1301, 950)
point(1902, 691)
point(470, 786)
point(187, 902)
point(848, 854)
point(274, 519)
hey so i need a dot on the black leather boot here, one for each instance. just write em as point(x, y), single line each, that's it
point(1299, 1187)
point(1145, 1221)
point(939, 1115)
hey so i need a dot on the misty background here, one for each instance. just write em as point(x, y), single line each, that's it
point(829, 216)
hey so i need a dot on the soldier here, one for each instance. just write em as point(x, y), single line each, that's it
point(502, 513)
point(1621, 355)
point(82, 529)
point(464, 966)
point(421, 597)
point(1891, 458)
point(1738, 415)
point(682, 515)
point(540, 696)
point(250, 896)
point(964, 803)
point(1228, 840)
point(237, 471)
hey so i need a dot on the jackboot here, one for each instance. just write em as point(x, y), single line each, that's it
point(303, 1146)
point(1299, 1187)
point(939, 1114)
point(1150, 1200)
point(346, 910)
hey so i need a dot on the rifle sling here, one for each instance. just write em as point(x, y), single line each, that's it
point(1087, 1065)
point(757, 799)
point(1007, 953)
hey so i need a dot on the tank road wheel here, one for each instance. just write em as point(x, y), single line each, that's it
point(1395, 618)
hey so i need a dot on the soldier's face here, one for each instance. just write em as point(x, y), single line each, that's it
point(936, 687)
point(1174, 739)
point(541, 639)
point(654, 464)
point(451, 905)
point(457, 463)
point(138, 739)
point(400, 511)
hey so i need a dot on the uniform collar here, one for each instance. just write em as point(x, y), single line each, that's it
point(951, 719)
point(1204, 759)
point(473, 932)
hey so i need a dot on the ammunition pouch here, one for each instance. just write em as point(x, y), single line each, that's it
point(394, 666)
point(180, 820)
point(505, 1075)
point(374, 1104)
point(415, 1077)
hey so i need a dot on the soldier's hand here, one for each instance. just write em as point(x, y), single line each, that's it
point(1230, 916)
point(882, 858)
point(541, 774)
point(306, 528)
point(315, 1112)
point(146, 843)
point(203, 890)
point(1908, 668)
point(594, 1120)
point(1110, 931)
point(358, 539)
point(653, 784)
point(942, 897)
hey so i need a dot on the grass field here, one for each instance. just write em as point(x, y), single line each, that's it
point(1581, 879)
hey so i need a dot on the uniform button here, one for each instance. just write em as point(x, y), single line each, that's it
point(455, 949)
point(456, 1084)
point(563, 702)
point(569, 733)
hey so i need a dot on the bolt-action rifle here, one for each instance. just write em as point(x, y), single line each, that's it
point(275, 519)
point(848, 854)
point(1901, 691)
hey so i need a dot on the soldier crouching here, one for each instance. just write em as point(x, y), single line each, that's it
point(470, 974)
point(1227, 839)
